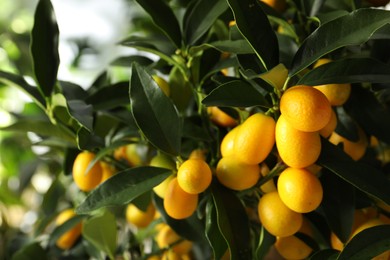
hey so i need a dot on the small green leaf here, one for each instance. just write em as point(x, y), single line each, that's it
point(154, 113)
point(352, 29)
point(363, 176)
point(101, 231)
point(256, 29)
point(123, 187)
point(213, 234)
point(30, 251)
point(352, 70)
point(232, 221)
point(163, 17)
point(367, 243)
point(44, 47)
point(235, 93)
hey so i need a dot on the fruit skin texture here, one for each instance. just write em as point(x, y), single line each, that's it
point(255, 139)
point(177, 203)
point(86, 181)
point(218, 117)
point(296, 148)
point(354, 149)
point(276, 217)
point(138, 217)
point(168, 236)
point(337, 94)
point(236, 175)
point(300, 190)
point(227, 144)
point(305, 108)
point(194, 176)
point(68, 239)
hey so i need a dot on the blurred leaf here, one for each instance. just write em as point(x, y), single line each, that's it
point(367, 244)
point(312, 7)
point(126, 61)
point(154, 113)
point(163, 17)
point(338, 205)
point(19, 82)
point(30, 251)
point(235, 93)
point(266, 241)
point(44, 47)
point(329, 254)
point(51, 197)
point(201, 17)
point(352, 70)
point(101, 231)
point(123, 187)
point(63, 228)
point(232, 221)
point(256, 29)
point(87, 140)
point(109, 97)
point(213, 234)
point(352, 29)
point(363, 176)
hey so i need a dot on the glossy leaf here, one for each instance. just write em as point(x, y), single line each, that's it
point(352, 29)
point(30, 251)
point(235, 93)
point(110, 96)
point(363, 176)
point(367, 244)
point(163, 17)
point(201, 17)
point(232, 221)
point(123, 187)
point(101, 231)
point(351, 70)
point(154, 112)
point(44, 47)
point(256, 29)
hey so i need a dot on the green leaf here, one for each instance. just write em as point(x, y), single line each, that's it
point(154, 113)
point(352, 29)
point(232, 221)
point(110, 96)
point(363, 176)
point(233, 46)
point(235, 93)
point(30, 251)
point(87, 140)
point(256, 29)
point(50, 198)
point(266, 241)
point(101, 231)
point(367, 243)
point(163, 17)
point(123, 187)
point(126, 61)
point(201, 17)
point(352, 70)
point(44, 47)
point(19, 82)
point(329, 254)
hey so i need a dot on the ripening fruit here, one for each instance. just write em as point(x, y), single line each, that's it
point(354, 149)
point(269, 186)
point(134, 153)
point(163, 84)
point(335, 242)
point(194, 176)
point(86, 181)
point(327, 130)
point(170, 255)
point(296, 148)
point(254, 139)
point(305, 108)
point(163, 161)
point(292, 247)
point(300, 190)
point(227, 144)
point(218, 117)
point(68, 239)
point(167, 236)
point(276, 217)
point(367, 224)
point(107, 171)
point(177, 203)
point(278, 5)
point(140, 218)
point(236, 175)
point(199, 154)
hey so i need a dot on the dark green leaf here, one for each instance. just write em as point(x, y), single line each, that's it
point(351, 70)
point(213, 234)
point(367, 244)
point(346, 125)
point(82, 112)
point(19, 82)
point(329, 254)
point(331, 15)
point(72, 91)
point(30, 251)
point(352, 29)
point(44, 47)
point(233, 46)
point(101, 231)
point(363, 176)
point(87, 140)
point(123, 187)
point(163, 17)
point(235, 93)
point(193, 129)
point(181, 90)
point(232, 221)
point(255, 27)
point(110, 96)
point(201, 17)
point(266, 241)
point(154, 113)
point(126, 61)
point(159, 45)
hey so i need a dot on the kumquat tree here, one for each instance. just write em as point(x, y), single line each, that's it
point(235, 129)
